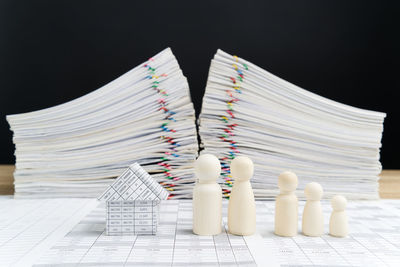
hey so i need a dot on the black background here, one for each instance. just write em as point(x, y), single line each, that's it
point(55, 51)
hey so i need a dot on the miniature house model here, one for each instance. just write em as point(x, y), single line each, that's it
point(132, 203)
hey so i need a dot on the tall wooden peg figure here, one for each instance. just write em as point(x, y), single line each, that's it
point(242, 207)
point(207, 196)
point(338, 223)
point(286, 205)
point(313, 219)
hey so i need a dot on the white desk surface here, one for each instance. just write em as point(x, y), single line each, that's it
point(70, 232)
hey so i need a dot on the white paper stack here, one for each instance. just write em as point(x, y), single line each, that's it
point(76, 149)
point(248, 111)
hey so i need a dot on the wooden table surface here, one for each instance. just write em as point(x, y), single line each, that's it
point(389, 183)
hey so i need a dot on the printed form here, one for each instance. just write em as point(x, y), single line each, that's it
point(28, 228)
point(174, 245)
point(71, 232)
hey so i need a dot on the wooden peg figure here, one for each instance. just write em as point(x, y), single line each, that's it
point(313, 219)
point(242, 207)
point(207, 196)
point(286, 205)
point(338, 223)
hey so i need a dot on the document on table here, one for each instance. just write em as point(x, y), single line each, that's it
point(28, 228)
point(47, 233)
point(374, 238)
point(174, 245)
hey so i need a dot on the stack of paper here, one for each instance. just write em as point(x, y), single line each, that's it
point(248, 111)
point(77, 148)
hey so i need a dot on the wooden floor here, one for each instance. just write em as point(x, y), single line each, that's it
point(389, 183)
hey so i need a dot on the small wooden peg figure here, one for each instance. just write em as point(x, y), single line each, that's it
point(338, 223)
point(242, 207)
point(286, 205)
point(313, 219)
point(207, 196)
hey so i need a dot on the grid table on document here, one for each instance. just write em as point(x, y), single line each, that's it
point(374, 238)
point(131, 217)
point(174, 245)
point(29, 227)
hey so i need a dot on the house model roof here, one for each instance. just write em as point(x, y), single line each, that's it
point(134, 184)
